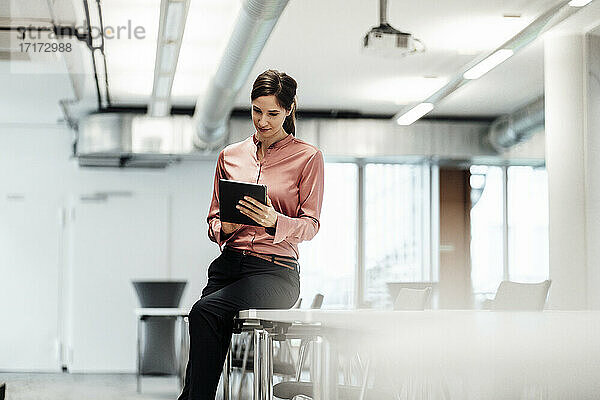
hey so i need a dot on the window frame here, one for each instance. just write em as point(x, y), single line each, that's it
point(505, 219)
point(430, 235)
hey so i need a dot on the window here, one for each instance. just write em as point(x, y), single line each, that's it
point(396, 223)
point(329, 261)
point(509, 226)
point(486, 228)
point(527, 224)
point(509, 230)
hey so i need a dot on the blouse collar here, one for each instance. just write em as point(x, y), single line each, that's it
point(278, 144)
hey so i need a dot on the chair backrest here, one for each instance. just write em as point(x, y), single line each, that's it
point(317, 301)
point(515, 296)
point(412, 299)
point(394, 287)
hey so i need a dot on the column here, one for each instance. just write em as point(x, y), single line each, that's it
point(592, 167)
point(571, 162)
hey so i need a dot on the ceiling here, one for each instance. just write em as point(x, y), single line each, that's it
point(319, 43)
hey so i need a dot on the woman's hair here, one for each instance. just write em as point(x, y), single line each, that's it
point(283, 87)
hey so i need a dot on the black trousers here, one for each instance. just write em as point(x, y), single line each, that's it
point(235, 282)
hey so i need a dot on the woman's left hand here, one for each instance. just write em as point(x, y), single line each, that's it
point(265, 215)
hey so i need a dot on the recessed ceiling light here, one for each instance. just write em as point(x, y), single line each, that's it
point(414, 113)
point(488, 64)
point(579, 3)
point(174, 21)
point(509, 15)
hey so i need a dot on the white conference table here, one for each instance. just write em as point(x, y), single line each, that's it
point(495, 353)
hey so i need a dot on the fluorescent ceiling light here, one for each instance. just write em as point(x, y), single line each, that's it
point(488, 64)
point(174, 24)
point(414, 114)
point(162, 89)
point(168, 58)
point(579, 3)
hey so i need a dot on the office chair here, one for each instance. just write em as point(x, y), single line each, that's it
point(407, 299)
point(514, 296)
point(317, 302)
point(412, 299)
point(283, 362)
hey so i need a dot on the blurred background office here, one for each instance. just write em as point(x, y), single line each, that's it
point(462, 149)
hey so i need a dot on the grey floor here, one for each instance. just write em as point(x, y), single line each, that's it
point(46, 386)
point(65, 386)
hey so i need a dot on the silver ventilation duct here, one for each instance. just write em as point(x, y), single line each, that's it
point(130, 140)
point(517, 127)
point(252, 29)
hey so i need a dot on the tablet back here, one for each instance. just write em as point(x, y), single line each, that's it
point(231, 192)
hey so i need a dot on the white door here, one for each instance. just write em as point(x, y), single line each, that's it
point(29, 283)
point(113, 241)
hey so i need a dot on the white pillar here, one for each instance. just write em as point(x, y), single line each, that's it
point(592, 166)
point(564, 81)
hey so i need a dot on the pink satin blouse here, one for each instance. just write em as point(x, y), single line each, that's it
point(292, 170)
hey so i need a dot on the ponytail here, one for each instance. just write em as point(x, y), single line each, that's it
point(289, 125)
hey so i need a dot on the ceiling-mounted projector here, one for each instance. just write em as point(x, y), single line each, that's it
point(389, 41)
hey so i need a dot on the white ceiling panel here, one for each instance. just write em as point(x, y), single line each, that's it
point(512, 84)
point(319, 43)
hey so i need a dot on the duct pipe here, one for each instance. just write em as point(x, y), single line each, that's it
point(509, 130)
point(254, 24)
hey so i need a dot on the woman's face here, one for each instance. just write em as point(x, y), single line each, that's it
point(268, 116)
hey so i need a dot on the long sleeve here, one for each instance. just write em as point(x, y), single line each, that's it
point(214, 223)
point(306, 224)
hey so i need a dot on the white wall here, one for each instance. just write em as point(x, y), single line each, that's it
point(39, 265)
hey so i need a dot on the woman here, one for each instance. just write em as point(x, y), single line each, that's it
point(258, 266)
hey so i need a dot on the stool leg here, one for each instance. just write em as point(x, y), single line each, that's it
point(226, 374)
point(263, 365)
point(301, 357)
point(248, 342)
point(139, 357)
point(182, 351)
point(325, 367)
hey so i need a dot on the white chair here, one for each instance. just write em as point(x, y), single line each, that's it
point(412, 299)
point(515, 296)
point(394, 287)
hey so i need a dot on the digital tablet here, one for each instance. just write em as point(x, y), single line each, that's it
point(231, 192)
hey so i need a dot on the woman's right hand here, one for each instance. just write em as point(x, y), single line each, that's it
point(229, 227)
